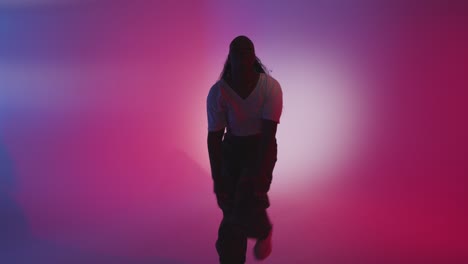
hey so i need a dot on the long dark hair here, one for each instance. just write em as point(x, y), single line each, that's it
point(226, 73)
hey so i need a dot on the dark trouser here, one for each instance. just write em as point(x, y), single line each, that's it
point(244, 209)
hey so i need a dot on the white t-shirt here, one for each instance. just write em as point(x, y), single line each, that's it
point(243, 117)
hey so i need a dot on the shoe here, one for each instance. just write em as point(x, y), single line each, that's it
point(262, 248)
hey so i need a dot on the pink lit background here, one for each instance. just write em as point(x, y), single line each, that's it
point(103, 155)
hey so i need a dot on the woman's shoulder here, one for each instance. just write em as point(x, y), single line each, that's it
point(215, 87)
point(271, 84)
point(215, 91)
point(270, 79)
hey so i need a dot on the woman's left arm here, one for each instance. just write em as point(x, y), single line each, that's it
point(266, 155)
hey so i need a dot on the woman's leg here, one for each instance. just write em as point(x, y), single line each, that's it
point(251, 214)
point(253, 203)
point(231, 244)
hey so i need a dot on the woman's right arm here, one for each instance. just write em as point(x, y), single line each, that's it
point(215, 154)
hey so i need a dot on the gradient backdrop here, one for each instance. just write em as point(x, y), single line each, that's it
point(103, 155)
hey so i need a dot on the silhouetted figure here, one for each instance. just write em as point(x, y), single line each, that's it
point(247, 102)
